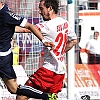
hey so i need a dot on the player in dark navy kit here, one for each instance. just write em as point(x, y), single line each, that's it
point(8, 22)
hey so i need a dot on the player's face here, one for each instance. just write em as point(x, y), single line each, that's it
point(44, 11)
point(96, 35)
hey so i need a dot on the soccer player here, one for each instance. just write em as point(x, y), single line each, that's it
point(49, 77)
point(8, 22)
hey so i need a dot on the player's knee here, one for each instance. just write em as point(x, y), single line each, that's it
point(12, 90)
point(11, 85)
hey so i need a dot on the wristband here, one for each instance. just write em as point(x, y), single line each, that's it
point(43, 41)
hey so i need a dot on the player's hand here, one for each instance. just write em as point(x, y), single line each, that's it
point(21, 30)
point(49, 44)
point(26, 30)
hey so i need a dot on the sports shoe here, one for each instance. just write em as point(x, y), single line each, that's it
point(85, 97)
point(52, 96)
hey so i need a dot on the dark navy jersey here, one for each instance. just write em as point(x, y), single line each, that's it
point(8, 21)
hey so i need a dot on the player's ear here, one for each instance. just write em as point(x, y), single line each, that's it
point(50, 9)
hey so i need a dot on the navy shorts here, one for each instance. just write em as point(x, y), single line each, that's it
point(6, 68)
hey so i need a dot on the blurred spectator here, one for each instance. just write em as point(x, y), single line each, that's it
point(16, 52)
point(93, 49)
point(92, 4)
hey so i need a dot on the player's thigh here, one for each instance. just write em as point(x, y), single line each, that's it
point(21, 97)
point(11, 84)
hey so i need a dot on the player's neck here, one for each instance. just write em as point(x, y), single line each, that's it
point(53, 16)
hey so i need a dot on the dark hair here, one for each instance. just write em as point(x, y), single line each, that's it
point(53, 3)
point(96, 32)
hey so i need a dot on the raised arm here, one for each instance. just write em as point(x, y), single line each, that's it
point(34, 30)
point(70, 44)
point(31, 28)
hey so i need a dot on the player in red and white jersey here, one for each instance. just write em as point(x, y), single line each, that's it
point(58, 31)
point(49, 77)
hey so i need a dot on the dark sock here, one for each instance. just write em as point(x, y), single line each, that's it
point(31, 92)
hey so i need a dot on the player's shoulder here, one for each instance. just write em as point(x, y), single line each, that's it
point(63, 20)
point(91, 41)
point(57, 20)
point(4, 8)
point(40, 24)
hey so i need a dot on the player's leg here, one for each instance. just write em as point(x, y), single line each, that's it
point(54, 97)
point(50, 97)
point(43, 80)
point(21, 97)
point(23, 90)
point(11, 85)
point(8, 75)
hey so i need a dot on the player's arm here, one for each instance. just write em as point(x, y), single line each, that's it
point(72, 38)
point(87, 48)
point(70, 44)
point(87, 51)
point(34, 30)
point(19, 29)
point(38, 34)
point(31, 28)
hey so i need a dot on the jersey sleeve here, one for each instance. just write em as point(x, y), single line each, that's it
point(11, 18)
point(40, 27)
point(37, 26)
point(71, 34)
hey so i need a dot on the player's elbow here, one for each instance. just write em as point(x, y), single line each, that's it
point(75, 41)
point(28, 26)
